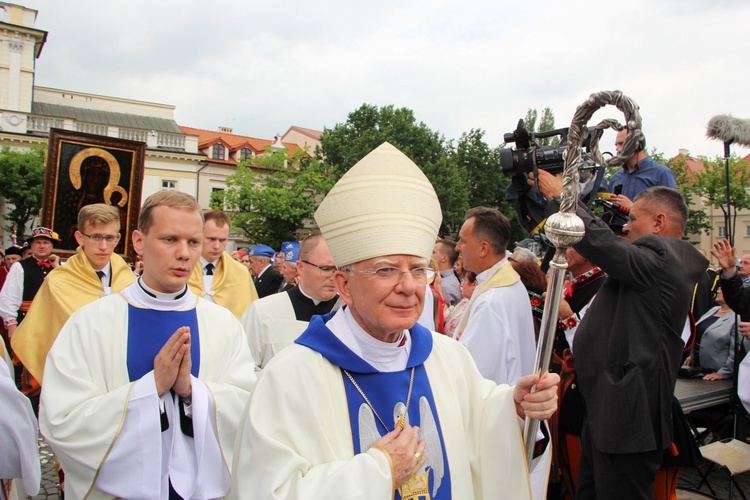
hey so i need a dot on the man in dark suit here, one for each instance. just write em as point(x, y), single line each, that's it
point(628, 347)
point(267, 279)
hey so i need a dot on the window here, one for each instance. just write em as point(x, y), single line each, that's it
point(747, 230)
point(246, 154)
point(722, 232)
point(168, 185)
point(217, 152)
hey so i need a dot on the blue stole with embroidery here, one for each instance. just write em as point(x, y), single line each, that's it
point(385, 390)
point(149, 330)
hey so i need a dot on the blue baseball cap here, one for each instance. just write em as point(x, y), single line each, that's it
point(261, 251)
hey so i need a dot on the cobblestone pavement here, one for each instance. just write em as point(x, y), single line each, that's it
point(49, 489)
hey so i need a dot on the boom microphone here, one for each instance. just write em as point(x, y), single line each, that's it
point(729, 130)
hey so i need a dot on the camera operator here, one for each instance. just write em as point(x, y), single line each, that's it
point(628, 348)
point(638, 173)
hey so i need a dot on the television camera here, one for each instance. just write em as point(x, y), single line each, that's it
point(530, 156)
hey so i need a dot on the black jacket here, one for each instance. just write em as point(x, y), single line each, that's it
point(737, 296)
point(628, 347)
point(268, 283)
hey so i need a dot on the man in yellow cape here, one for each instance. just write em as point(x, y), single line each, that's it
point(93, 272)
point(217, 277)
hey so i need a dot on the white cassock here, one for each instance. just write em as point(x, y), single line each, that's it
point(107, 430)
point(272, 323)
point(301, 445)
point(500, 333)
point(19, 452)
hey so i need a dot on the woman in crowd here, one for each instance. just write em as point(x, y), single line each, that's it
point(453, 316)
point(713, 350)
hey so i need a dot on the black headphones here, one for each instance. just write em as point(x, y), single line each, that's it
point(640, 145)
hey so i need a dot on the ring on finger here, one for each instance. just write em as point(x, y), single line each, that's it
point(417, 455)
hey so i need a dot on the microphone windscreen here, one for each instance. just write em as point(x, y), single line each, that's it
point(727, 128)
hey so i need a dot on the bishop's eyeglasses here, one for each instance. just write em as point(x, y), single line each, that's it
point(393, 275)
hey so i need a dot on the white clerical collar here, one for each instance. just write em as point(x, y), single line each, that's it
point(142, 295)
point(383, 356)
point(487, 273)
point(315, 301)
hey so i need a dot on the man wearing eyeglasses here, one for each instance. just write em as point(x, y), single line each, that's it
point(93, 272)
point(274, 322)
point(367, 402)
point(217, 277)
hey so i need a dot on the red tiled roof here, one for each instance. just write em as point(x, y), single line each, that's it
point(233, 142)
point(694, 165)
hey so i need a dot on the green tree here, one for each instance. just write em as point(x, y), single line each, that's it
point(546, 123)
point(487, 184)
point(369, 126)
point(21, 182)
point(710, 185)
point(529, 121)
point(269, 196)
point(697, 218)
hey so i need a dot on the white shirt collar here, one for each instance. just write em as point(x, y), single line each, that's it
point(487, 273)
point(107, 270)
point(204, 262)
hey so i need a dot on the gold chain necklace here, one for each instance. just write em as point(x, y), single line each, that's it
point(402, 418)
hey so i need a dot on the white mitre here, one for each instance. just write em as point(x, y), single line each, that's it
point(384, 205)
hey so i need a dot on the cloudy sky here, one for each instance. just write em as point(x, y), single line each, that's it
point(260, 67)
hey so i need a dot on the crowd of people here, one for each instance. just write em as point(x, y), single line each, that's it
point(375, 358)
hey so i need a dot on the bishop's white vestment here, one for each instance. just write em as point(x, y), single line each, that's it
point(100, 411)
point(307, 432)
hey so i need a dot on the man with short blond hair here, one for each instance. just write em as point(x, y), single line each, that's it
point(164, 373)
point(217, 277)
point(274, 322)
point(93, 272)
